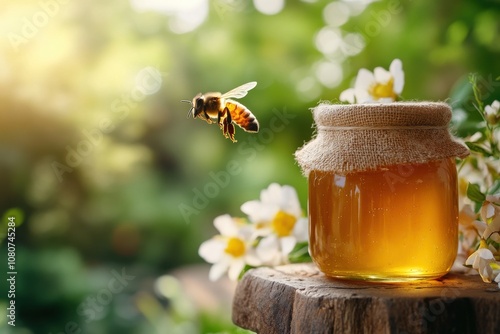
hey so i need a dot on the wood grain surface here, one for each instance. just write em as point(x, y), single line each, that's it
point(298, 298)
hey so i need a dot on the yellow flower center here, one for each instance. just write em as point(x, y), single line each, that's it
point(380, 91)
point(261, 225)
point(283, 224)
point(235, 247)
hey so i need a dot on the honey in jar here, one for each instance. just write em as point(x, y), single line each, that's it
point(396, 223)
point(383, 198)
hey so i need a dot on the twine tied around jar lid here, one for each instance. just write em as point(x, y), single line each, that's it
point(360, 137)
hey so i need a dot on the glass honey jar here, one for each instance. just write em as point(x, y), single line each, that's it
point(383, 198)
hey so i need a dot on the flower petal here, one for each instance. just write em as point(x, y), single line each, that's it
point(235, 269)
point(259, 212)
point(271, 194)
point(250, 207)
point(252, 259)
point(396, 69)
point(486, 273)
point(301, 229)
point(287, 244)
point(485, 254)
point(212, 250)
point(489, 110)
point(364, 81)
point(487, 211)
point(348, 96)
point(226, 225)
point(290, 201)
point(268, 248)
point(217, 270)
point(493, 108)
point(480, 226)
point(471, 259)
point(493, 199)
point(382, 75)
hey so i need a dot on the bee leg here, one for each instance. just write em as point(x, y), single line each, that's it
point(229, 126)
point(206, 117)
point(221, 117)
point(223, 127)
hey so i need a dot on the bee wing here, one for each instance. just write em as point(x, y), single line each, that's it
point(240, 91)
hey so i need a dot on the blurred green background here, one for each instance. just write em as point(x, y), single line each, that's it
point(113, 187)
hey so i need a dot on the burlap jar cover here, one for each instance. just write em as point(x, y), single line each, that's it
point(360, 137)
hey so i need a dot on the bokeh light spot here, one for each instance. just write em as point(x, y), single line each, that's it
point(328, 40)
point(330, 74)
point(353, 43)
point(336, 14)
point(269, 7)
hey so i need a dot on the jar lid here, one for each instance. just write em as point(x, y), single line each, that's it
point(359, 137)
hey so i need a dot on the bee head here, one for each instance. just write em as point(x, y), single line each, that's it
point(196, 105)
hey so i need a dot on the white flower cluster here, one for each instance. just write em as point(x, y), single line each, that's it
point(486, 259)
point(274, 225)
point(479, 242)
point(493, 112)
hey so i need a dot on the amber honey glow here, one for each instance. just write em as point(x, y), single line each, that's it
point(394, 224)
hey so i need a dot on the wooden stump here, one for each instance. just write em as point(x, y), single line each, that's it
point(298, 298)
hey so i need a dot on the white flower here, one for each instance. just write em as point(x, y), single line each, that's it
point(348, 95)
point(490, 214)
point(231, 250)
point(278, 219)
point(497, 279)
point(478, 172)
point(481, 260)
point(492, 109)
point(469, 229)
point(379, 86)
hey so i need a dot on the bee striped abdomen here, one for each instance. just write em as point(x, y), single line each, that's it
point(242, 116)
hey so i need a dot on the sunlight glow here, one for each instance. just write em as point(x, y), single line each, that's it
point(148, 80)
point(186, 15)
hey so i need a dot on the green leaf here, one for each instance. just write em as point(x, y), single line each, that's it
point(245, 269)
point(494, 188)
point(300, 253)
point(474, 193)
point(477, 206)
point(476, 148)
point(473, 78)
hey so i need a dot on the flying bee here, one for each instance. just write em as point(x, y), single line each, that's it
point(211, 106)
